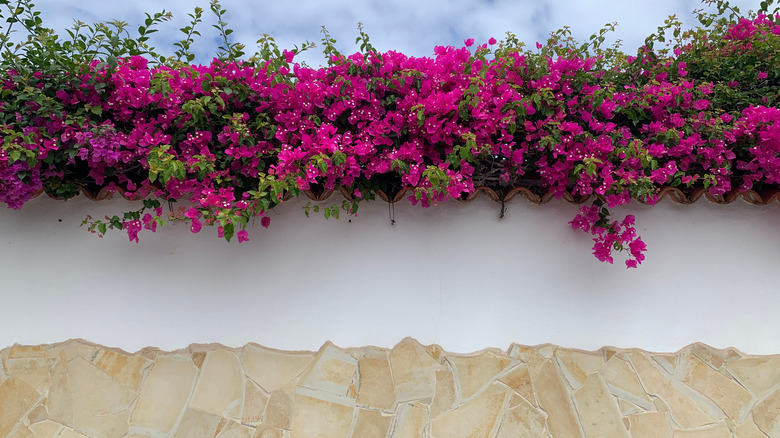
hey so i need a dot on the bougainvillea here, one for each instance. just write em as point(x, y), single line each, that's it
point(238, 136)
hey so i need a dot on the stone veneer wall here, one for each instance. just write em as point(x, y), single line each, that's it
point(77, 389)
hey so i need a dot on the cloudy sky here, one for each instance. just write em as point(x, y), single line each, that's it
point(410, 26)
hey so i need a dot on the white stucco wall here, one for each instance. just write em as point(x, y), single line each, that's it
point(455, 275)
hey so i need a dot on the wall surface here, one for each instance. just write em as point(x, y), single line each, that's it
point(453, 275)
point(80, 390)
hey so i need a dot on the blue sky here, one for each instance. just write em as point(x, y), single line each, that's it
point(410, 26)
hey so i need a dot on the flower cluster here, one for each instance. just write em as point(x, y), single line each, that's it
point(235, 138)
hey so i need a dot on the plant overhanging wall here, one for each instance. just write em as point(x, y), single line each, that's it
point(102, 109)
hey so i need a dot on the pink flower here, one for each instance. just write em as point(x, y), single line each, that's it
point(220, 232)
point(243, 236)
point(762, 75)
point(469, 42)
point(492, 41)
point(357, 193)
point(265, 221)
point(196, 226)
point(701, 104)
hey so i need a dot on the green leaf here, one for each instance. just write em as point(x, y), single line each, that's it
point(102, 228)
point(229, 229)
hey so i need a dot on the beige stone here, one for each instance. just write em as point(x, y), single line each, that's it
point(219, 386)
point(273, 369)
point(60, 400)
point(444, 398)
point(50, 429)
point(27, 351)
point(234, 429)
point(577, 366)
point(375, 383)
point(127, 369)
point(314, 418)
point(264, 431)
point(413, 371)
point(16, 398)
point(33, 371)
point(523, 420)
point(473, 373)
point(729, 395)
point(164, 394)
point(521, 352)
point(766, 414)
point(21, 431)
point(195, 423)
point(39, 413)
point(477, 418)
point(279, 410)
point(685, 411)
point(562, 420)
point(623, 383)
point(371, 424)
point(719, 430)
point(333, 371)
point(650, 425)
point(628, 408)
point(748, 429)
point(255, 401)
point(668, 362)
point(712, 357)
point(519, 379)
point(598, 411)
point(758, 374)
point(410, 420)
point(101, 405)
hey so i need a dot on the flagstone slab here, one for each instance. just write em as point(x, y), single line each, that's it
point(164, 395)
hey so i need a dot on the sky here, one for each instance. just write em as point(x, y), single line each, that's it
point(413, 27)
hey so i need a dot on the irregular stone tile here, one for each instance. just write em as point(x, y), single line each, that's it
point(375, 383)
point(16, 398)
point(766, 414)
point(50, 429)
point(101, 405)
point(519, 379)
point(554, 399)
point(748, 429)
point(577, 366)
point(410, 421)
point(164, 395)
point(198, 357)
point(650, 425)
point(33, 371)
point(39, 413)
point(710, 356)
point(473, 373)
point(668, 362)
point(598, 411)
point(687, 413)
point(273, 369)
point(628, 408)
point(444, 397)
point(521, 352)
point(546, 350)
point(713, 431)
point(758, 374)
point(60, 401)
point(219, 386)
point(255, 401)
point(263, 431)
point(436, 352)
point(371, 424)
point(476, 418)
point(413, 371)
point(623, 383)
point(279, 410)
point(195, 423)
point(523, 420)
point(608, 352)
point(729, 395)
point(21, 432)
point(233, 429)
point(127, 369)
point(314, 418)
point(333, 371)
point(27, 351)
